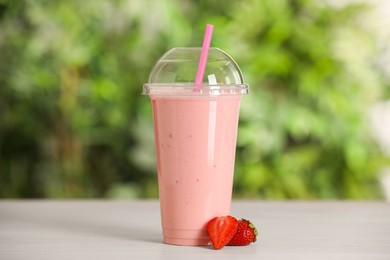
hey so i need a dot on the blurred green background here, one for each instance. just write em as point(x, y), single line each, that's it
point(74, 125)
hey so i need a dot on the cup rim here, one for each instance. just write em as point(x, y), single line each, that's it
point(190, 89)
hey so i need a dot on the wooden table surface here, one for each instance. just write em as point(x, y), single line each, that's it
point(101, 229)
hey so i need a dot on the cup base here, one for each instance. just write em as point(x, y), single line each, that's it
point(186, 237)
point(186, 241)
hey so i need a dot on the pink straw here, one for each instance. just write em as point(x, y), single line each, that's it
point(204, 54)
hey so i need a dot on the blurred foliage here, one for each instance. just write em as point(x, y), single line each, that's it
point(73, 123)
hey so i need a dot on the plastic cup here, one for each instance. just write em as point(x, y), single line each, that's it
point(195, 136)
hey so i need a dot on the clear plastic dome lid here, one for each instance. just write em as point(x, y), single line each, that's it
point(175, 73)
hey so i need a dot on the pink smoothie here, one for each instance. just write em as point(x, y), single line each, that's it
point(195, 140)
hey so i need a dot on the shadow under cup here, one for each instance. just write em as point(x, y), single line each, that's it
point(195, 136)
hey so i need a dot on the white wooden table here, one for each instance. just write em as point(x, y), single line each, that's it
point(131, 230)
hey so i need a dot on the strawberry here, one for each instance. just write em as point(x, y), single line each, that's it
point(246, 233)
point(221, 230)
